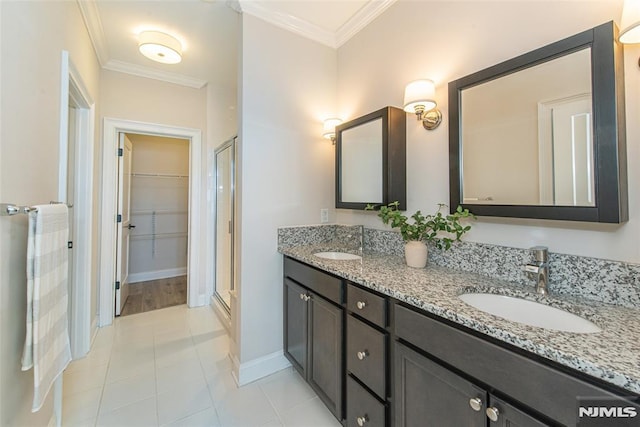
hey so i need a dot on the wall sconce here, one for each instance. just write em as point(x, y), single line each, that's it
point(630, 23)
point(329, 129)
point(160, 47)
point(419, 98)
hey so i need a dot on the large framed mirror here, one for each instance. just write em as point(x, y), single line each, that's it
point(542, 135)
point(371, 160)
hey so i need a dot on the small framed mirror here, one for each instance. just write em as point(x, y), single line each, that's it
point(371, 160)
point(542, 135)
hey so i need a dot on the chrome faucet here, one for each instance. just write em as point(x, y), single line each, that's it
point(541, 268)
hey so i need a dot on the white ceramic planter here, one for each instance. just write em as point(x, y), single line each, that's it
point(415, 254)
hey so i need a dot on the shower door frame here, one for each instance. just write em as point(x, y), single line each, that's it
point(227, 145)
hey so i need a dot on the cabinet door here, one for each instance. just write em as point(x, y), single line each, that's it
point(506, 415)
point(426, 394)
point(326, 368)
point(295, 325)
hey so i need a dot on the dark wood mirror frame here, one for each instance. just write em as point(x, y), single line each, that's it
point(609, 132)
point(394, 157)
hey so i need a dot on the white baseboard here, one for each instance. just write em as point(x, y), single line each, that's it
point(248, 372)
point(158, 274)
point(221, 312)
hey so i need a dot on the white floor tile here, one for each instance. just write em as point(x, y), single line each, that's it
point(81, 408)
point(85, 379)
point(120, 369)
point(176, 375)
point(206, 418)
point(312, 413)
point(128, 391)
point(286, 389)
point(245, 406)
point(171, 367)
point(182, 401)
point(139, 414)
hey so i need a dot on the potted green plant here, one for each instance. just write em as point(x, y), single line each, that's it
point(439, 228)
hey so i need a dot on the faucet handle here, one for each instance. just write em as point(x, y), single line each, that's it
point(541, 253)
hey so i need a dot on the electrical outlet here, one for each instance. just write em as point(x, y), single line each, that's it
point(324, 215)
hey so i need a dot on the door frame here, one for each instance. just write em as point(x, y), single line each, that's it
point(72, 86)
point(108, 226)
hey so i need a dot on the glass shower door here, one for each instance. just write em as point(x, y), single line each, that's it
point(225, 183)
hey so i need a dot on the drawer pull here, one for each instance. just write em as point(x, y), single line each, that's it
point(362, 420)
point(361, 305)
point(476, 404)
point(362, 354)
point(493, 413)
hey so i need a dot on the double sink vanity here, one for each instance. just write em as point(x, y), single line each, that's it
point(468, 341)
point(383, 344)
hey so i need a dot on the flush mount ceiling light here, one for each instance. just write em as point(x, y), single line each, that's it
point(160, 47)
point(419, 98)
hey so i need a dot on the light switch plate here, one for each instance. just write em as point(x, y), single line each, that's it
point(324, 215)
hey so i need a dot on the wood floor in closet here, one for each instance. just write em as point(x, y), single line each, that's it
point(155, 294)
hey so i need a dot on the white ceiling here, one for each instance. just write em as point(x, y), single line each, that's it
point(208, 30)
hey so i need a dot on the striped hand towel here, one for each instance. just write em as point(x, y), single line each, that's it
point(46, 346)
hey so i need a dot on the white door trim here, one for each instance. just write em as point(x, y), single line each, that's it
point(72, 86)
point(196, 287)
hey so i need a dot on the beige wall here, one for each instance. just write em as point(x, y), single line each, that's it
point(445, 40)
point(33, 35)
point(286, 167)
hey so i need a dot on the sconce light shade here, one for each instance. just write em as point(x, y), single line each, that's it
point(160, 47)
point(329, 128)
point(419, 96)
point(630, 22)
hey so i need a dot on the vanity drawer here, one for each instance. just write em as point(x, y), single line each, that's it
point(543, 388)
point(367, 305)
point(366, 355)
point(362, 408)
point(321, 283)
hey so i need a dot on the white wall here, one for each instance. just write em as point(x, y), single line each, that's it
point(145, 100)
point(445, 40)
point(286, 168)
point(33, 35)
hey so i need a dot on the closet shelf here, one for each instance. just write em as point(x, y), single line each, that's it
point(161, 212)
point(157, 175)
point(158, 236)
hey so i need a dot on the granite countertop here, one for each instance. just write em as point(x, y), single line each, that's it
point(612, 355)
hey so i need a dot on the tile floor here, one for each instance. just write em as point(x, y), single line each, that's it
point(170, 367)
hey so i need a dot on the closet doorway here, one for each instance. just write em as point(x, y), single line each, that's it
point(157, 224)
point(224, 220)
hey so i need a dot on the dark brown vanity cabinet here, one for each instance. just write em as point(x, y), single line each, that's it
point(447, 376)
point(314, 330)
point(367, 355)
point(427, 394)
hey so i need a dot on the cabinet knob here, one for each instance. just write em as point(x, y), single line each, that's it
point(307, 297)
point(476, 404)
point(302, 296)
point(493, 413)
point(361, 305)
point(362, 354)
point(362, 420)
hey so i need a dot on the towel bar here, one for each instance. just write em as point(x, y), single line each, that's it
point(8, 209)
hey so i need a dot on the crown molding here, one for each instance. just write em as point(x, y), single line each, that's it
point(361, 19)
point(150, 73)
point(91, 18)
point(357, 22)
point(290, 23)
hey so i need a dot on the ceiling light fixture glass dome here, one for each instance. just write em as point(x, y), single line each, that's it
point(160, 47)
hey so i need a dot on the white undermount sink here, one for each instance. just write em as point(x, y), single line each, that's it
point(530, 313)
point(337, 255)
